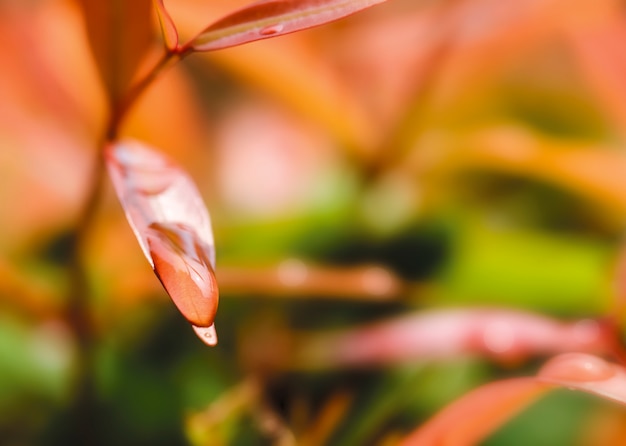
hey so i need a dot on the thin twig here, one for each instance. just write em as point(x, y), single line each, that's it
point(121, 110)
point(79, 317)
point(78, 314)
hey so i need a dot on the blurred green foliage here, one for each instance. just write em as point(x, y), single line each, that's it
point(458, 227)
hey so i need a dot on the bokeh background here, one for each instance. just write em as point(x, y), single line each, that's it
point(419, 158)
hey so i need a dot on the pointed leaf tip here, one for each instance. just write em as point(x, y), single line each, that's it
point(182, 265)
point(168, 27)
point(471, 418)
point(171, 223)
point(475, 415)
point(577, 367)
point(588, 373)
point(272, 18)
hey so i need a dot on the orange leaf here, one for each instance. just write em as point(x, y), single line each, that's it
point(168, 27)
point(600, 52)
point(474, 416)
point(181, 263)
point(120, 32)
point(593, 172)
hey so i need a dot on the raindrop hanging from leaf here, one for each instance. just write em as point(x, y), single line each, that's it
point(171, 223)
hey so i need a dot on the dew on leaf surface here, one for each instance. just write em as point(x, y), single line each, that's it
point(577, 367)
point(171, 223)
point(271, 30)
point(181, 261)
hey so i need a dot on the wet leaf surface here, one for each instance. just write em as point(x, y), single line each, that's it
point(172, 225)
point(272, 18)
point(474, 416)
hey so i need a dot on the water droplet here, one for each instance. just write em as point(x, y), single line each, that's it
point(271, 30)
point(292, 272)
point(181, 261)
point(577, 367)
point(498, 337)
point(208, 335)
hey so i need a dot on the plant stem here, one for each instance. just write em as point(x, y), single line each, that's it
point(121, 109)
point(78, 314)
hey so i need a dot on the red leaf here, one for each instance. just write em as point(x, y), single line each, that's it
point(172, 225)
point(271, 18)
point(588, 373)
point(474, 416)
point(502, 334)
point(181, 263)
point(168, 27)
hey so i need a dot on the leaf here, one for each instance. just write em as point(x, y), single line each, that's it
point(594, 172)
point(579, 371)
point(172, 225)
point(272, 18)
point(168, 27)
point(301, 77)
point(505, 335)
point(475, 415)
point(600, 52)
point(42, 108)
point(120, 33)
point(472, 417)
point(181, 263)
